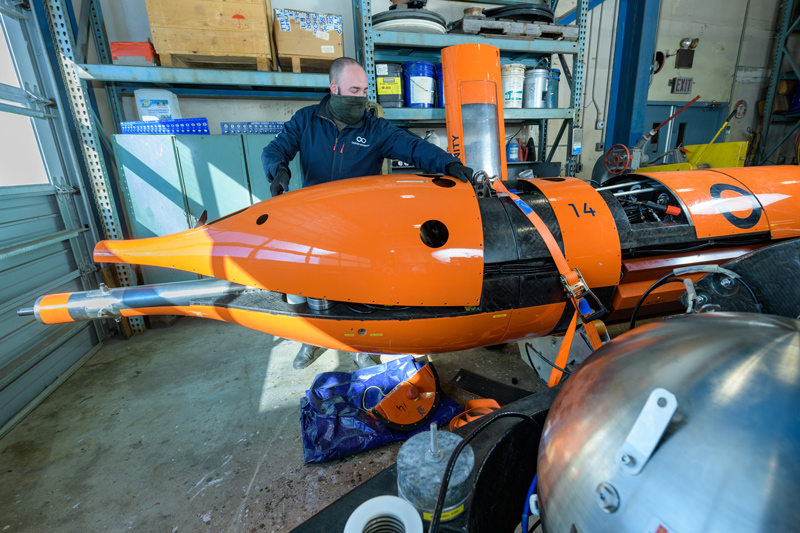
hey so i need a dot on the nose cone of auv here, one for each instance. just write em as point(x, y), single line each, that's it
point(388, 240)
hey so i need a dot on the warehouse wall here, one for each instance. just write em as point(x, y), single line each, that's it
point(717, 23)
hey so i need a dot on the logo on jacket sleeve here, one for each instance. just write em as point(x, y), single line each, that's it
point(361, 141)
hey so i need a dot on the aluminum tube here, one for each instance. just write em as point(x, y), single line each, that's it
point(108, 303)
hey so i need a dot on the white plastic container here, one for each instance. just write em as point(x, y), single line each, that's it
point(156, 104)
point(513, 78)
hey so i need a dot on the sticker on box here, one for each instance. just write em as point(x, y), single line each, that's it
point(322, 35)
point(328, 49)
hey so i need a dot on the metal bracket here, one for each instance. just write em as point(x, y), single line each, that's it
point(35, 98)
point(647, 431)
point(11, 8)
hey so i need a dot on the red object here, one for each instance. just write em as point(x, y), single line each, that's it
point(617, 159)
point(678, 112)
point(673, 210)
point(144, 49)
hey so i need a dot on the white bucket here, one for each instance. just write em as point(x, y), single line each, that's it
point(513, 77)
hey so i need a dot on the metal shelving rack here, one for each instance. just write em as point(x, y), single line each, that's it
point(390, 46)
point(788, 26)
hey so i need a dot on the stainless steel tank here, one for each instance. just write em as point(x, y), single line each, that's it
point(729, 459)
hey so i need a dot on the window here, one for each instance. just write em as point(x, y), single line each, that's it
point(20, 156)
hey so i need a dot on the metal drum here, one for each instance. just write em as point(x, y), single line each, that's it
point(534, 92)
point(729, 457)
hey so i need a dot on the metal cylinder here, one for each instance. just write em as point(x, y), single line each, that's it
point(534, 92)
point(318, 304)
point(729, 457)
point(110, 303)
point(420, 465)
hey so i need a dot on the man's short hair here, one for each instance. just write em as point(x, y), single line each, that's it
point(339, 65)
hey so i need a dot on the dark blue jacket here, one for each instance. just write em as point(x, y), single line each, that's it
point(358, 150)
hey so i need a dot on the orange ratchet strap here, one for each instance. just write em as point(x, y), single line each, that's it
point(571, 279)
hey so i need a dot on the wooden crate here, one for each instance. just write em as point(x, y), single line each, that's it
point(292, 63)
point(212, 33)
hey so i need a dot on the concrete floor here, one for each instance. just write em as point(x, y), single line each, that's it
point(193, 427)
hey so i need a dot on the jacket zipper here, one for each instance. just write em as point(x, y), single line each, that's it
point(336, 142)
point(333, 160)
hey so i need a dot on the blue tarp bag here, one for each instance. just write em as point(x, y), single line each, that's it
point(334, 415)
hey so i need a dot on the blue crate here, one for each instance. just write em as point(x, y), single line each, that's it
point(178, 126)
point(239, 128)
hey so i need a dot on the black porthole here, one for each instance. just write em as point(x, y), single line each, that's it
point(444, 182)
point(553, 179)
point(263, 218)
point(434, 234)
point(362, 332)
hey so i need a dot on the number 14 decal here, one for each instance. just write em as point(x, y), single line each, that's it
point(586, 210)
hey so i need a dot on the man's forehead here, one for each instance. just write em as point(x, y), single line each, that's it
point(352, 73)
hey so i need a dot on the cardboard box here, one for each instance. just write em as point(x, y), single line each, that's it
point(308, 35)
point(156, 104)
point(787, 87)
point(781, 105)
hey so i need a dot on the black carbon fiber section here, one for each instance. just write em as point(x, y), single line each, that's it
point(499, 245)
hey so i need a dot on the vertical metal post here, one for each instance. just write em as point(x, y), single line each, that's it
point(367, 55)
point(58, 20)
point(781, 53)
point(577, 87)
point(542, 140)
point(104, 55)
point(637, 24)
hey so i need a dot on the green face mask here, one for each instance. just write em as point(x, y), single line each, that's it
point(347, 109)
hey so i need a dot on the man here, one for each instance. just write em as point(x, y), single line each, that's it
point(337, 139)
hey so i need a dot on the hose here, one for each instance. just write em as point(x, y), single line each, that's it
point(527, 509)
point(448, 471)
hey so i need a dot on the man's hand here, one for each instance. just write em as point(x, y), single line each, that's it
point(457, 170)
point(280, 184)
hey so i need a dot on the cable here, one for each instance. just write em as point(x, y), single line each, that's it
point(364, 395)
point(543, 382)
point(526, 510)
point(711, 269)
point(663, 281)
point(353, 309)
point(448, 471)
point(543, 358)
point(535, 525)
point(611, 51)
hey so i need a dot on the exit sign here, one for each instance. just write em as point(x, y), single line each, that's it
point(682, 85)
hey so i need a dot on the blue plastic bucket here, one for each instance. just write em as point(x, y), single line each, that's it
point(439, 86)
point(419, 83)
point(552, 88)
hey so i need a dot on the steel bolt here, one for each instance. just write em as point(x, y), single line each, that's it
point(627, 460)
point(726, 282)
point(702, 299)
point(607, 497)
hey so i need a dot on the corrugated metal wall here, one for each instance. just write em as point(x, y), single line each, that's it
point(36, 258)
point(46, 230)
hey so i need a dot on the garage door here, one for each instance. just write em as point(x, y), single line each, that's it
point(45, 228)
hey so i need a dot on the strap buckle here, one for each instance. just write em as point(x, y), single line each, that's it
point(578, 291)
